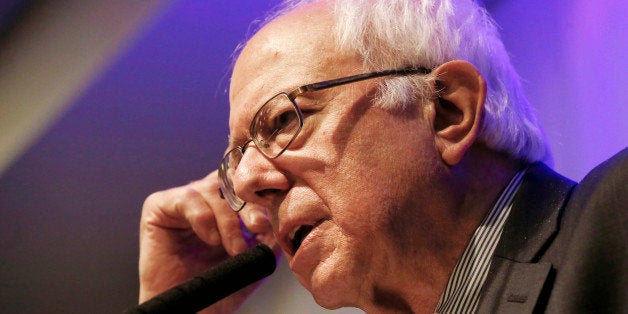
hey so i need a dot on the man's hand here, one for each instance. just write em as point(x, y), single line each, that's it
point(188, 229)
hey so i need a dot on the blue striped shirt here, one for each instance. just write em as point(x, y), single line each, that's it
point(462, 293)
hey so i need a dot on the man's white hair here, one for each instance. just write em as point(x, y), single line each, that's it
point(391, 34)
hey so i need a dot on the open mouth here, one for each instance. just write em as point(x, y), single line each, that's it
point(297, 236)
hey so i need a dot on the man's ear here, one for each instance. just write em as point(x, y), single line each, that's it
point(458, 110)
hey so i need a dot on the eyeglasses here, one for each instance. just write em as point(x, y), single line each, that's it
point(278, 122)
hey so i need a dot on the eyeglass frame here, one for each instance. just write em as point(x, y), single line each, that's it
point(292, 97)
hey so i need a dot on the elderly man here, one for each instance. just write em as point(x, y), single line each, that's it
point(386, 148)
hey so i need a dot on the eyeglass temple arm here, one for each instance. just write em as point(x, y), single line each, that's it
point(356, 78)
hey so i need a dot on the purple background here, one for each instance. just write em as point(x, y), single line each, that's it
point(157, 117)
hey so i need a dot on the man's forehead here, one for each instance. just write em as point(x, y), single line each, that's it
point(286, 53)
point(284, 42)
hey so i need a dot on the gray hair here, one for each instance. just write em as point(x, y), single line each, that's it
point(397, 33)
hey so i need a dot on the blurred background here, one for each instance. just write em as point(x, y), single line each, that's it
point(105, 102)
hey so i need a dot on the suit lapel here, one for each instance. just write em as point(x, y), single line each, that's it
point(516, 278)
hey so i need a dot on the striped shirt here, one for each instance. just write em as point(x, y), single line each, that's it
point(462, 293)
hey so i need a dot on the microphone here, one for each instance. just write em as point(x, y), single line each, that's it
point(214, 284)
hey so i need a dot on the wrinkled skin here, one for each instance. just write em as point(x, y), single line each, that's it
point(390, 196)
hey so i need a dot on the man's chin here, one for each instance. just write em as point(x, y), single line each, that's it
point(330, 293)
point(331, 280)
point(330, 301)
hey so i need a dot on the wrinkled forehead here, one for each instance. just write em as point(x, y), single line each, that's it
point(291, 51)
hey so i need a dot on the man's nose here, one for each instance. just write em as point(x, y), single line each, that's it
point(258, 180)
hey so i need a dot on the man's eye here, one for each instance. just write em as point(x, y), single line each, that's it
point(283, 124)
point(285, 120)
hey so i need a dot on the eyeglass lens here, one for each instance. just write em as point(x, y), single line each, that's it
point(275, 125)
point(226, 169)
point(273, 128)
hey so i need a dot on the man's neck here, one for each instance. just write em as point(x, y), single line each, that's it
point(479, 180)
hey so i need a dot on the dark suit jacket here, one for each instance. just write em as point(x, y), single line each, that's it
point(564, 246)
